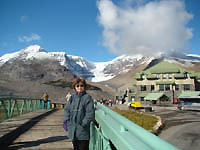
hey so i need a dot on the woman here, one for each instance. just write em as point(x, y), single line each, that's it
point(78, 114)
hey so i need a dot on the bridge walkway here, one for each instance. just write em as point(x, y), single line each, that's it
point(44, 133)
point(42, 130)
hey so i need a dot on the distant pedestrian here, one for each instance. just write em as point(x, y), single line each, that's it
point(78, 114)
point(45, 98)
point(110, 102)
point(68, 96)
point(101, 101)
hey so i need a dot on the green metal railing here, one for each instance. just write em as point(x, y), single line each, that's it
point(11, 106)
point(113, 131)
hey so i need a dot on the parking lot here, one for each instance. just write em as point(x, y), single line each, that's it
point(182, 127)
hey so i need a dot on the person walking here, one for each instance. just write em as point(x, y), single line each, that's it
point(45, 98)
point(78, 114)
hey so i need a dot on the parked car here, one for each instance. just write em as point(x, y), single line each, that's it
point(136, 105)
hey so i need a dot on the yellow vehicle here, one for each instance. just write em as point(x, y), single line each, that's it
point(136, 105)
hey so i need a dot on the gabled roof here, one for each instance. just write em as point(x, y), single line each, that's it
point(166, 67)
point(153, 96)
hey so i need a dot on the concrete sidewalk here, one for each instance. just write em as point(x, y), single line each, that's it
point(46, 134)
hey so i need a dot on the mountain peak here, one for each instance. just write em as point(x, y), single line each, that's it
point(34, 48)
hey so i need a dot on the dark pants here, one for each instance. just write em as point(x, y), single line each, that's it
point(81, 144)
point(45, 105)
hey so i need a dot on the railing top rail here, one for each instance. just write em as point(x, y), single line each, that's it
point(127, 135)
point(3, 97)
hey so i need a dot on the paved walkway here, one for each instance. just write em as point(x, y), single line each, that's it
point(47, 134)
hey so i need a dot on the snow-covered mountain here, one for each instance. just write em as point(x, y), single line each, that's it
point(75, 64)
point(94, 71)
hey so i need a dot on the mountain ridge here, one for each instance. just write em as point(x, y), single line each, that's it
point(93, 71)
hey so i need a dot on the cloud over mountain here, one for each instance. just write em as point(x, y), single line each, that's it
point(31, 37)
point(149, 29)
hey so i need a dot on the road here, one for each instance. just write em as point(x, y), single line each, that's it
point(182, 128)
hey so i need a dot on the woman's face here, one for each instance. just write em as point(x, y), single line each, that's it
point(79, 87)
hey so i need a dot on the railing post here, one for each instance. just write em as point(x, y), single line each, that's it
point(5, 109)
point(98, 140)
point(92, 136)
point(41, 104)
point(17, 107)
point(12, 108)
point(9, 108)
point(48, 105)
point(22, 107)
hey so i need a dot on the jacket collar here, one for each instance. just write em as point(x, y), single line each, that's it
point(81, 94)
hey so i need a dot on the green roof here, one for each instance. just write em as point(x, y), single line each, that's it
point(143, 94)
point(164, 67)
point(153, 96)
point(193, 75)
point(198, 76)
point(189, 94)
point(138, 76)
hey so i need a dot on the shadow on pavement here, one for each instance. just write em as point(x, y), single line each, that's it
point(36, 143)
point(7, 139)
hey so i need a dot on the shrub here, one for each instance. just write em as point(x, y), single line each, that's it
point(144, 120)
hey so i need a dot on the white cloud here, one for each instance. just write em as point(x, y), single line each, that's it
point(23, 18)
point(149, 29)
point(32, 37)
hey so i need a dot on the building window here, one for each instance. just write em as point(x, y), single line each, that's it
point(143, 88)
point(161, 87)
point(176, 87)
point(170, 76)
point(158, 76)
point(164, 76)
point(131, 91)
point(186, 87)
point(142, 99)
point(167, 87)
point(152, 87)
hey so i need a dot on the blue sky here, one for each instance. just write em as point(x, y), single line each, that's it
point(101, 30)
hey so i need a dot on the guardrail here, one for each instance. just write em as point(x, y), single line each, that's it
point(11, 106)
point(113, 131)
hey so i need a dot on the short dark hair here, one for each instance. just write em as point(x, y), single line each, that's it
point(79, 80)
